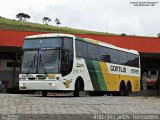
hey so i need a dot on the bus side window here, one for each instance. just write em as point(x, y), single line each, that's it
point(114, 56)
point(68, 44)
point(81, 49)
point(105, 54)
point(133, 60)
point(93, 52)
point(123, 58)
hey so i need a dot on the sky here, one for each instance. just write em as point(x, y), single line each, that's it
point(113, 16)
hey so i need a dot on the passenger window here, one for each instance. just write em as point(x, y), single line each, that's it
point(123, 58)
point(133, 60)
point(105, 54)
point(114, 56)
point(93, 51)
point(81, 49)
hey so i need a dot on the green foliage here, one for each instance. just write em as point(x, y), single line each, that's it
point(22, 16)
point(57, 21)
point(123, 34)
point(8, 24)
point(46, 20)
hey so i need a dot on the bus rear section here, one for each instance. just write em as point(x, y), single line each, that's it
point(111, 69)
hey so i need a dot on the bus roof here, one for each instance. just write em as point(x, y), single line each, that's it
point(89, 40)
point(49, 35)
point(83, 39)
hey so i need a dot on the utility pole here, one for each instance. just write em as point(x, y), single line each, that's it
point(107, 24)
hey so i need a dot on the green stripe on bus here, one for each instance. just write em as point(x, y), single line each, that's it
point(93, 75)
point(99, 75)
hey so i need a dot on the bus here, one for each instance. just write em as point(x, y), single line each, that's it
point(68, 63)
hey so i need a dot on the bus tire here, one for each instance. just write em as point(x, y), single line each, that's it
point(77, 89)
point(128, 88)
point(44, 93)
point(122, 89)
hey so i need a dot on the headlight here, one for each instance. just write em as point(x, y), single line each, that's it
point(22, 84)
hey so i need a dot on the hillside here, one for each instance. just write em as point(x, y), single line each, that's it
point(8, 24)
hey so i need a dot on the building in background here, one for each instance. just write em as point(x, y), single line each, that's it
point(11, 42)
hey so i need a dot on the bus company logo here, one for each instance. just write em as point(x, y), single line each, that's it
point(118, 68)
point(134, 71)
point(80, 65)
point(67, 83)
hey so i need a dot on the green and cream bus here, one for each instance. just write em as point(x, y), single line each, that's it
point(67, 63)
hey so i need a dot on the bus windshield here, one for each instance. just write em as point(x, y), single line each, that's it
point(41, 62)
point(42, 43)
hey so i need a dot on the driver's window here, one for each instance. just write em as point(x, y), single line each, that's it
point(67, 56)
point(65, 63)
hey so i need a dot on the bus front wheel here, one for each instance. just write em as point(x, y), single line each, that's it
point(77, 89)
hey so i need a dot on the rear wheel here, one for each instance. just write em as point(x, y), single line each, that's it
point(128, 89)
point(44, 93)
point(122, 89)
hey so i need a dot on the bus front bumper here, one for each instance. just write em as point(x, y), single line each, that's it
point(39, 85)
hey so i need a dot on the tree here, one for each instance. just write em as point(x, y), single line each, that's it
point(123, 34)
point(158, 35)
point(22, 16)
point(46, 20)
point(27, 16)
point(57, 21)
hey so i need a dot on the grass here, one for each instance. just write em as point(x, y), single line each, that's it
point(8, 24)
